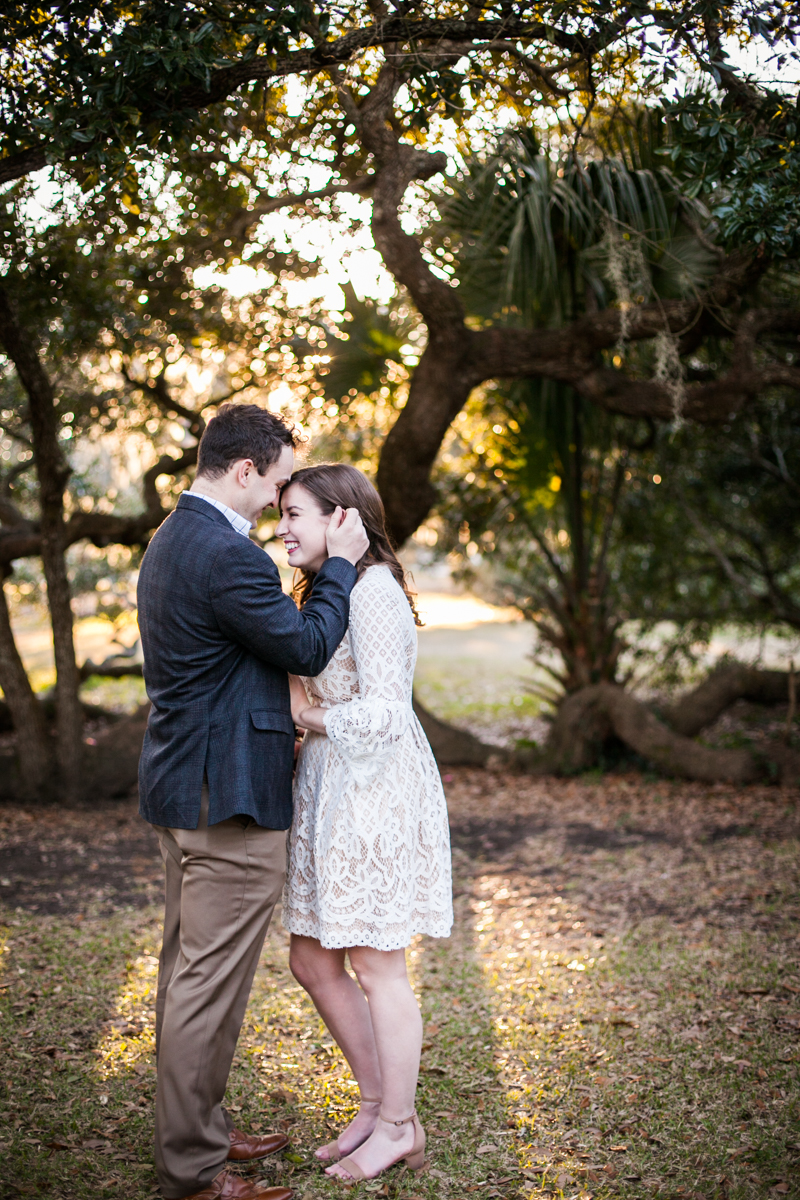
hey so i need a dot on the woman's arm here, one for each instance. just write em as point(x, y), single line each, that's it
point(368, 728)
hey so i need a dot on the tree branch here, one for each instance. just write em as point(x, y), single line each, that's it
point(324, 56)
point(532, 68)
point(158, 389)
point(247, 217)
point(102, 529)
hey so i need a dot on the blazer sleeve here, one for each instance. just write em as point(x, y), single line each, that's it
point(252, 608)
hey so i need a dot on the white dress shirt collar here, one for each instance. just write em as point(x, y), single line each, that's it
point(239, 523)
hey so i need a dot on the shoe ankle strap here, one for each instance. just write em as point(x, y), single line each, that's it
point(369, 1100)
point(403, 1122)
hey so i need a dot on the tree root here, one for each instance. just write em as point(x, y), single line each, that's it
point(728, 683)
point(584, 722)
point(111, 766)
point(453, 747)
point(589, 717)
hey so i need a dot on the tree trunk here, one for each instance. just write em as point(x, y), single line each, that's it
point(411, 446)
point(28, 717)
point(69, 714)
point(53, 472)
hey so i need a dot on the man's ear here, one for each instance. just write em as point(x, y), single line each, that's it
point(244, 470)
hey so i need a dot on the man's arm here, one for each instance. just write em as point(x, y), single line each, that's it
point(252, 608)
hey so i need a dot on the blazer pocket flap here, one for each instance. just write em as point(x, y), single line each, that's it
point(271, 719)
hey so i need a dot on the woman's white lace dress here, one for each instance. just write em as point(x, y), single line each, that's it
point(369, 849)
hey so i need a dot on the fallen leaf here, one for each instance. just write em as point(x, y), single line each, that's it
point(487, 1149)
point(783, 1188)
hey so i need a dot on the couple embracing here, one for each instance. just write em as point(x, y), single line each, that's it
point(233, 667)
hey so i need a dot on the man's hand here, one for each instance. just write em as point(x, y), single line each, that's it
point(346, 537)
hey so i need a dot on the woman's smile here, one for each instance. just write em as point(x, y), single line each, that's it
point(301, 513)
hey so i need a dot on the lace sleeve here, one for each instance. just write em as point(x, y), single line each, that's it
point(367, 728)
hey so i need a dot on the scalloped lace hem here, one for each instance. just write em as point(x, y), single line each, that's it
point(339, 937)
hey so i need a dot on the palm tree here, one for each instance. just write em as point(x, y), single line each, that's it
point(537, 237)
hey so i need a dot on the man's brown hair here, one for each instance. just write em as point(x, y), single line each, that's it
point(240, 431)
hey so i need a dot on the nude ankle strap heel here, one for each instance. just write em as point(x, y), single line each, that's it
point(331, 1153)
point(415, 1159)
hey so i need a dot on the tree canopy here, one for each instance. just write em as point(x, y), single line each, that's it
point(114, 92)
point(589, 211)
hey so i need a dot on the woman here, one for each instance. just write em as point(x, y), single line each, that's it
point(369, 851)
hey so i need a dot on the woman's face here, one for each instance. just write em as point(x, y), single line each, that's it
point(303, 527)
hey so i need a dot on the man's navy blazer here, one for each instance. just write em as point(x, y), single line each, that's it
point(219, 636)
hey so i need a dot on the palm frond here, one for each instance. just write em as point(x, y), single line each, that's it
point(531, 233)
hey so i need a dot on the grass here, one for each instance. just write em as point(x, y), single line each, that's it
point(488, 699)
point(116, 695)
point(616, 1013)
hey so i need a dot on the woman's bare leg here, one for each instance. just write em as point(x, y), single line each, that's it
point(344, 1009)
point(397, 1030)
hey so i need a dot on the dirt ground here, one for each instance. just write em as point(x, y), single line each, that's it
point(617, 1012)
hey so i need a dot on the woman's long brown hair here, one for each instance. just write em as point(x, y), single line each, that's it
point(337, 484)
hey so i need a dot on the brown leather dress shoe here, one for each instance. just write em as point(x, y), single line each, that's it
point(226, 1186)
point(247, 1146)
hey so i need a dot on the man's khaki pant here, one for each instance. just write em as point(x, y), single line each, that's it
point(222, 885)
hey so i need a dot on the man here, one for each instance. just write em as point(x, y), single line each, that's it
point(219, 637)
